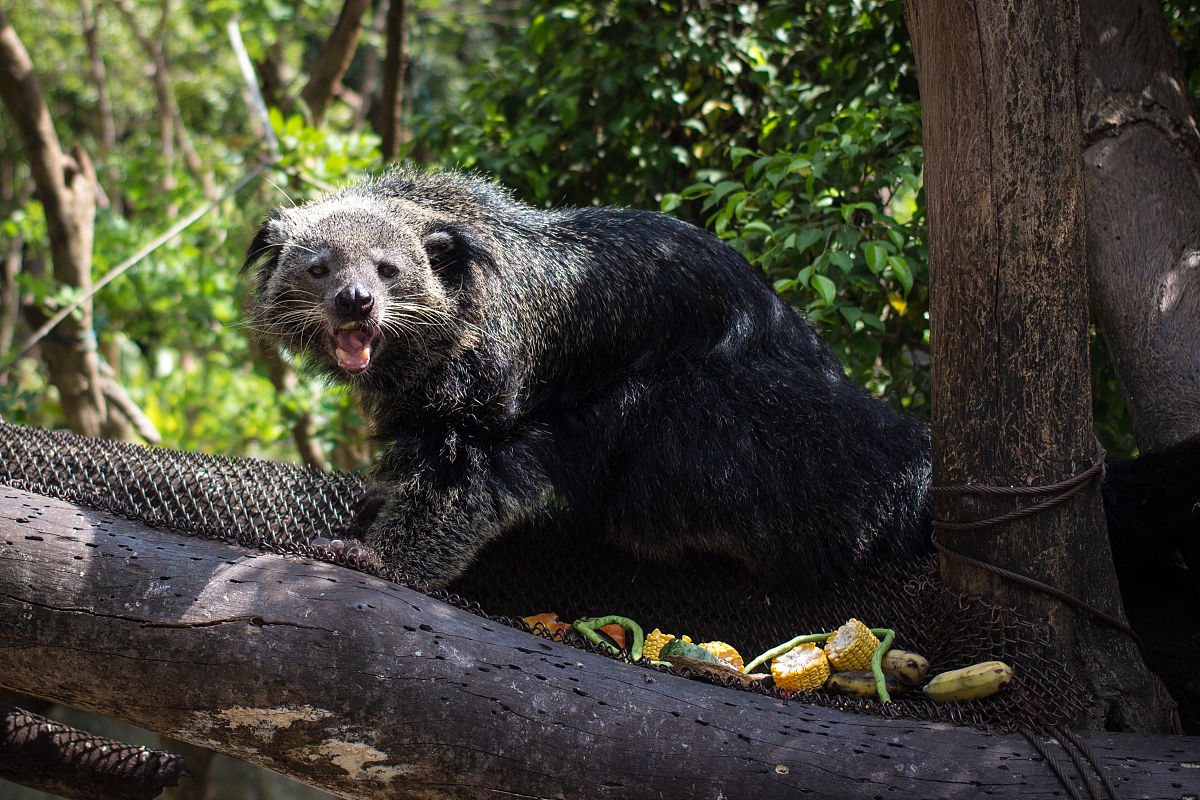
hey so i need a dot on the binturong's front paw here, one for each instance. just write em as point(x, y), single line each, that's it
point(349, 552)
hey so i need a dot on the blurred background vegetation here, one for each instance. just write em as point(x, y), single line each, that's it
point(792, 130)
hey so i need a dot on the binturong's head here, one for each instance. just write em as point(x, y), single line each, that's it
point(367, 289)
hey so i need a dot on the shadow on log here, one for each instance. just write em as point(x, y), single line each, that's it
point(364, 688)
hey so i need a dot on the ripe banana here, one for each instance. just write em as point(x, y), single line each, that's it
point(970, 683)
point(908, 668)
point(861, 683)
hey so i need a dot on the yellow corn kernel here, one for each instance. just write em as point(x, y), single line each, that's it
point(802, 667)
point(726, 653)
point(851, 647)
point(655, 641)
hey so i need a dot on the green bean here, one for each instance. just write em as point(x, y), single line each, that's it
point(775, 652)
point(590, 630)
point(885, 644)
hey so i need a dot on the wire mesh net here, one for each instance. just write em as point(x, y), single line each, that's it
point(281, 507)
point(42, 753)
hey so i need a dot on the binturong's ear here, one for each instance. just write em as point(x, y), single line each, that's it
point(265, 246)
point(454, 246)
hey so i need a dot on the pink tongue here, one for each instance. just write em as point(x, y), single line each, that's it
point(353, 350)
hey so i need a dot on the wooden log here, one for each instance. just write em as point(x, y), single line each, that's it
point(367, 689)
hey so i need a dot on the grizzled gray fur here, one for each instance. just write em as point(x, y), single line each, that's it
point(614, 373)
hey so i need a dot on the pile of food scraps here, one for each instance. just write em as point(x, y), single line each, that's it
point(853, 660)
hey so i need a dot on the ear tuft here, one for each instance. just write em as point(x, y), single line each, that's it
point(438, 243)
point(452, 247)
point(264, 247)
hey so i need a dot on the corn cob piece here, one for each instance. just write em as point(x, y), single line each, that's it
point(726, 653)
point(655, 641)
point(851, 647)
point(803, 667)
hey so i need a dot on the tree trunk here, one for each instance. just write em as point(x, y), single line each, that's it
point(395, 66)
point(106, 134)
point(10, 295)
point(366, 689)
point(371, 67)
point(334, 60)
point(66, 189)
point(283, 378)
point(172, 131)
point(1142, 171)
point(1009, 326)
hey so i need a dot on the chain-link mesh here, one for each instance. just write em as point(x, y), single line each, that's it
point(280, 507)
point(56, 758)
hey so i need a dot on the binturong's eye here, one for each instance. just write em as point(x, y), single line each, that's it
point(318, 270)
point(387, 270)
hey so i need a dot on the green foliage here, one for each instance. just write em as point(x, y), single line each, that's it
point(610, 102)
point(1183, 25)
point(836, 220)
point(791, 130)
point(173, 325)
point(319, 158)
point(795, 130)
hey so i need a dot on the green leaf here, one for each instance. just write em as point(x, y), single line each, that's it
point(841, 260)
point(876, 257)
point(902, 271)
point(807, 238)
point(737, 154)
point(825, 288)
point(723, 188)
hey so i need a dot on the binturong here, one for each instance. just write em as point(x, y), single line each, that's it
point(617, 374)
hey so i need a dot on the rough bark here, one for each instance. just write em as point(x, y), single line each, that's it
point(66, 189)
point(334, 60)
point(367, 689)
point(1142, 167)
point(1009, 325)
point(391, 106)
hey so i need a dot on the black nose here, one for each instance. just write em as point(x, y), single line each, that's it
point(354, 299)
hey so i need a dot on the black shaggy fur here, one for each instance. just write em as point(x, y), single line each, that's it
point(616, 373)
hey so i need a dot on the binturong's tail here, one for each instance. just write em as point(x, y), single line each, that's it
point(1152, 503)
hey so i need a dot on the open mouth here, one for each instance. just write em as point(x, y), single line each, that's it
point(352, 346)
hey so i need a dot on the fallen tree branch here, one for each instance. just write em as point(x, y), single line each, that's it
point(367, 689)
point(118, 399)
